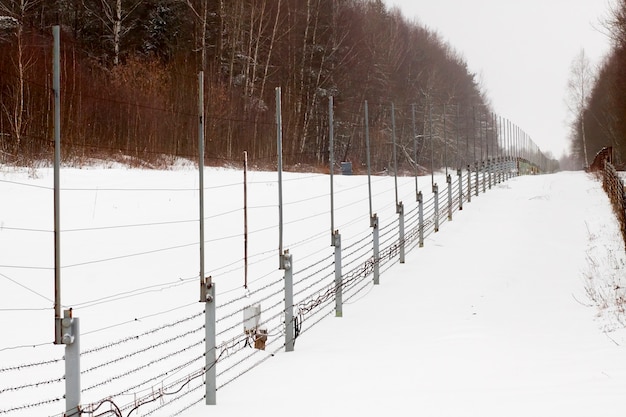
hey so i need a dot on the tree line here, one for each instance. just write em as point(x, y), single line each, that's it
point(599, 98)
point(129, 81)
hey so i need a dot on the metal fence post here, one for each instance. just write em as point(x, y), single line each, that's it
point(400, 211)
point(498, 170)
point(203, 285)
point(70, 336)
point(505, 168)
point(449, 181)
point(210, 320)
point(279, 148)
point(207, 289)
point(459, 173)
point(436, 197)
point(477, 180)
point(469, 183)
point(56, 87)
point(376, 256)
point(512, 167)
point(483, 167)
point(420, 202)
point(331, 163)
point(508, 172)
point(338, 276)
point(287, 261)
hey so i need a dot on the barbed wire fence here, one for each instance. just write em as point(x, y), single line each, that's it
point(156, 362)
point(161, 370)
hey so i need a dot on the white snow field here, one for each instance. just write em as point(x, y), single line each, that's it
point(513, 309)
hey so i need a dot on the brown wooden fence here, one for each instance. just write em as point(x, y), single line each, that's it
point(614, 187)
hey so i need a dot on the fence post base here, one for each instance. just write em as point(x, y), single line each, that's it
point(459, 173)
point(376, 256)
point(436, 197)
point(420, 201)
point(469, 183)
point(338, 276)
point(449, 181)
point(290, 336)
point(400, 211)
point(70, 337)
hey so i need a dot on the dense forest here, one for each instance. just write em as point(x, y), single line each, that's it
point(601, 120)
point(129, 82)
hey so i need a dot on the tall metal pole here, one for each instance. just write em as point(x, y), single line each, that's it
point(285, 258)
point(482, 157)
point(415, 149)
point(373, 217)
point(207, 289)
point(393, 152)
point(487, 161)
point(66, 328)
point(56, 87)
point(503, 139)
point(445, 141)
point(458, 155)
point(469, 166)
point(435, 187)
point(515, 141)
point(201, 180)
point(474, 131)
point(245, 219)
point(459, 172)
point(497, 147)
point(507, 144)
point(497, 121)
point(467, 142)
point(279, 147)
point(331, 163)
point(367, 153)
point(419, 197)
point(475, 160)
point(445, 159)
point(432, 145)
point(517, 149)
point(399, 205)
point(509, 148)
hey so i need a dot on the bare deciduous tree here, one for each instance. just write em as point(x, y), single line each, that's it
point(16, 109)
point(579, 86)
point(115, 19)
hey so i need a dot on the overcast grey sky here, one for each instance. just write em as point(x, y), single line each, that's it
point(521, 52)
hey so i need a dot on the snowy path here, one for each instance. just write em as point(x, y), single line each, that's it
point(483, 321)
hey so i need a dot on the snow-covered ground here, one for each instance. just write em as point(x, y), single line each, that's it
point(489, 319)
point(514, 308)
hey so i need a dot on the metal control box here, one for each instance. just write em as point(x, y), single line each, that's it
point(251, 318)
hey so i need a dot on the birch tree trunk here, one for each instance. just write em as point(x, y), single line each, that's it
point(117, 29)
point(16, 109)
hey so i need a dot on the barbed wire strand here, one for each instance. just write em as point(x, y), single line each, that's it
point(135, 337)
